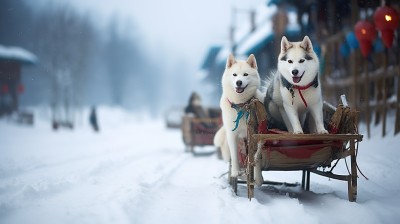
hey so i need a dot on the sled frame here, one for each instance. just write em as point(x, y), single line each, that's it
point(256, 140)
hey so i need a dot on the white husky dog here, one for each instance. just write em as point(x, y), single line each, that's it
point(240, 83)
point(295, 88)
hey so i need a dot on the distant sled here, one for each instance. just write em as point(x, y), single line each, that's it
point(199, 132)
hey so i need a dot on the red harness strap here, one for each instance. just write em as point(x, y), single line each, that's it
point(291, 86)
point(299, 88)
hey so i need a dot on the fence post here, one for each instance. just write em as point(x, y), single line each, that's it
point(397, 121)
point(384, 94)
point(353, 70)
point(366, 98)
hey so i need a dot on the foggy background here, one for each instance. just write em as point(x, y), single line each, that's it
point(140, 55)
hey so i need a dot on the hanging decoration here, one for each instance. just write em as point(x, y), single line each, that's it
point(344, 49)
point(378, 46)
point(386, 20)
point(4, 88)
point(352, 40)
point(21, 88)
point(365, 34)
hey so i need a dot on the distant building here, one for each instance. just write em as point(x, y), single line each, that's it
point(11, 61)
point(211, 67)
point(260, 37)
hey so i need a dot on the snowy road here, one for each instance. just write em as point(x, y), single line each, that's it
point(127, 175)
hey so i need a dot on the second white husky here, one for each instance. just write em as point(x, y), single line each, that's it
point(295, 88)
point(240, 83)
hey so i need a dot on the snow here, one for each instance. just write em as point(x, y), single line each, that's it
point(17, 53)
point(136, 171)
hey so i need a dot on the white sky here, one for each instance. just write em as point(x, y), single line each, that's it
point(175, 28)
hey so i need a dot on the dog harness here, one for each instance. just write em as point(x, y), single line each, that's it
point(242, 109)
point(290, 87)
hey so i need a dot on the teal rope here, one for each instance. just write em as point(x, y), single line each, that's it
point(240, 113)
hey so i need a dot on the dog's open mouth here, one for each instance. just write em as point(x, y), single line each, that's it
point(240, 89)
point(297, 79)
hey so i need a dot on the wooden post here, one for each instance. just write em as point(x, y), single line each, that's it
point(251, 148)
point(384, 93)
point(250, 166)
point(378, 98)
point(328, 71)
point(397, 121)
point(366, 98)
point(353, 73)
point(354, 11)
point(353, 171)
point(353, 58)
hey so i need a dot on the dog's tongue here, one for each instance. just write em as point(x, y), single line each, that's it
point(296, 79)
point(239, 90)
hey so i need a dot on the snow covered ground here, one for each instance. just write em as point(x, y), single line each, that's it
point(135, 171)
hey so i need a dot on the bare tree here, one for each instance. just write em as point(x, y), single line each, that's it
point(72, 53)
point(64, 46)
point(126, 65)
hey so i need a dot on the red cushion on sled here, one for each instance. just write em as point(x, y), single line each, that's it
point(299, 149)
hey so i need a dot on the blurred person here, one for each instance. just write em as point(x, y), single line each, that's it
point(194, 106)
point(93, 119)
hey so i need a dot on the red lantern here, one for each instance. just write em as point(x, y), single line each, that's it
point(365, 34)
point(4, 88)
point(386, 20)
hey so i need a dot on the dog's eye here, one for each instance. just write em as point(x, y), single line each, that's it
point(245, 74)
point(301, 61)
point(290, 61)
point(234, 74)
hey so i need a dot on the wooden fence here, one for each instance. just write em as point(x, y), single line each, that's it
point(372, 84)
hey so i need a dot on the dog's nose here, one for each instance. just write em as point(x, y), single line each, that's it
point(239, 83)
point(295, 72)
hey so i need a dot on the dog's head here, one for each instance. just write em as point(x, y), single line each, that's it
point(297, 61)
point(240, 79)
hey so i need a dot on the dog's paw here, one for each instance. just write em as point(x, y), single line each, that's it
point(235, 173)
point(322, 131)
point(259, 180)
point(298, 132)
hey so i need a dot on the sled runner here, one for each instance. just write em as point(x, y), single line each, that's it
point(200, 131)
point(310, 153)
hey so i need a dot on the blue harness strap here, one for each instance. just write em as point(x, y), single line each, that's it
point(241, 111)
point(240, 114)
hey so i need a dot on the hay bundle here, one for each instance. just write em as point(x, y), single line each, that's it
point(343, 121)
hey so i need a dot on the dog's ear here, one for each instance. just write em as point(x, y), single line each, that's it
point(285, 44)
point(231, 60)
point(306, 44)
point(252, 61)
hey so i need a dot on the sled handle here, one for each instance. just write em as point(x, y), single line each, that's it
point(344, 100)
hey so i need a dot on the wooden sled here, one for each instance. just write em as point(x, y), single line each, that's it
point(282, 151)
point(198, 132)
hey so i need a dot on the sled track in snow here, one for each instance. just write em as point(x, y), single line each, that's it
point(151, 181)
